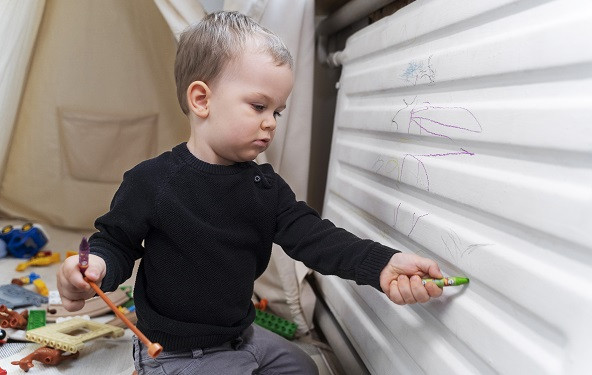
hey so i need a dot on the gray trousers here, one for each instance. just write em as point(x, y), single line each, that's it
point(255, 351)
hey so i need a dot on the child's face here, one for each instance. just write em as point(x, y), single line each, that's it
point(244, 105)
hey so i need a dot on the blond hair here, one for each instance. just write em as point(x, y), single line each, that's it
point(206, 47)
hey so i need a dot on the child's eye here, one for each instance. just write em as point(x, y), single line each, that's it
point(277, 114)
point(258, 107)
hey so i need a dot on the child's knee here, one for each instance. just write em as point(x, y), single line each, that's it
point(303, 363)
point(310, 367)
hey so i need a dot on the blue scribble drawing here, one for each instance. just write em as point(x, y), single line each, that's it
point(419, 72)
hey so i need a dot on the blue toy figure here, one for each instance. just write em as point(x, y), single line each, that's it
point(3, 250)
point(24, 242)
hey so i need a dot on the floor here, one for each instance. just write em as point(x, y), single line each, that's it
point(100, 356)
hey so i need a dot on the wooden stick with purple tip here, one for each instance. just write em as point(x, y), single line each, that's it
point(154, 349)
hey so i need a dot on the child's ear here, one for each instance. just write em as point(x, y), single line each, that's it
point(198, 99)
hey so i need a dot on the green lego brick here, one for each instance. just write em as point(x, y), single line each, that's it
point(36, 319)
point(276, 324)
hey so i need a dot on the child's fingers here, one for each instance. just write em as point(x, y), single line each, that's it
point(405, 289)
point(71, 305)
point(420, 293)
point(96, 269)
point(74, 276)
point(72, 297)
point(434, 271)
point(433, 290)
point(93, 273)
point(71, 286)
point(430, 267)
point(394, 294)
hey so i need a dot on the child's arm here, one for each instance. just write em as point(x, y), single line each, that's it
point(401, 279)
point(72, 287)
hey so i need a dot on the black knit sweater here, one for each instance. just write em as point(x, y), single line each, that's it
point(208, 231)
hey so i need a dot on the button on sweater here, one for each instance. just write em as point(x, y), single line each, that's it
point(204, 233)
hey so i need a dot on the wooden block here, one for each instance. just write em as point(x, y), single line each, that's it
point(93, 307)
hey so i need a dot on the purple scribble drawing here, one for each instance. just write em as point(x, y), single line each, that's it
point(427, 119)
point(422, 172)
point(434, 119)
point(418, 72)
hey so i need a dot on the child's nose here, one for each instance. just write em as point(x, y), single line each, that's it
point(269, 123)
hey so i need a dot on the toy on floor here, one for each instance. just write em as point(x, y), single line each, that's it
point(24, 242)
point(273, 322)
point(14, 296)
point(25, 280)
point(46, 355)
point(71, 335)
point(3, 251)
point(3, 371)
point(34, 279)
point(3, 336)
point(42, 258)
point(12, 319)
point(36, 319)
point(93, 307)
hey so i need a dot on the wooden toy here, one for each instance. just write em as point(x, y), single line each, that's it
point(93, 307)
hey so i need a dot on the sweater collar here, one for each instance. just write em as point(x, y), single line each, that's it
point(184, 154)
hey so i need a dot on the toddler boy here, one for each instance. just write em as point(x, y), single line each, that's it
point(204, 215)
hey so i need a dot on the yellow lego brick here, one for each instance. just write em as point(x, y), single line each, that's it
point(71, 335)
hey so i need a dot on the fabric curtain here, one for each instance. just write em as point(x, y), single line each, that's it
point(19, 24)
point(99, 97)
point(180, 13)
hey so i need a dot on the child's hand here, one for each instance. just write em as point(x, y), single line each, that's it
point(72, 287)
point(400, 280)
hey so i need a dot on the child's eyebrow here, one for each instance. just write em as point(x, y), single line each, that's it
point(268, 99)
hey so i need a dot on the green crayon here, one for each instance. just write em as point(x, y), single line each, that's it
point(447, 281)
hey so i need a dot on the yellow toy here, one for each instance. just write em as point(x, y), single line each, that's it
point(41, 287)
point(34, 279)
point(39, 261)
point(70, 253)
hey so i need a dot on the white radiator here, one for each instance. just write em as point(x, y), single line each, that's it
point(463, 133)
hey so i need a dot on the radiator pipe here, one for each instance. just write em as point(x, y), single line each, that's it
point(351, 12)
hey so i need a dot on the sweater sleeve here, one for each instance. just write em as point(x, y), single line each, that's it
point(122, 230)
point(322, 246)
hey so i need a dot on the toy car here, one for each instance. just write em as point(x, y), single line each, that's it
point(24, 242)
